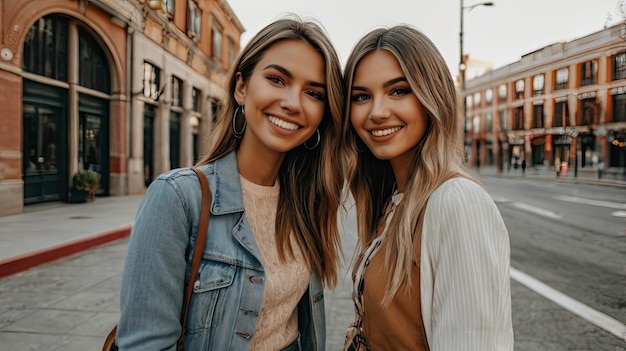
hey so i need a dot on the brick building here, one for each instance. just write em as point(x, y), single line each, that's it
point(562, 107)
point(127, 88)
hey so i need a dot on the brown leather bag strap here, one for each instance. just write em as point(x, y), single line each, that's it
point(203, 228)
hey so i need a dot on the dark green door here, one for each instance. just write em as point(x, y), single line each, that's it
point(94, 138)
point(44, 148)
point(148, 144)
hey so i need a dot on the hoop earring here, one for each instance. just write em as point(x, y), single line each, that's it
point(317, 131)
point(239, 133)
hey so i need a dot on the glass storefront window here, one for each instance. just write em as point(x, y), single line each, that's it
point(45, 48)
point(94, 68)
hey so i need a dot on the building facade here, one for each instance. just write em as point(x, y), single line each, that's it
point(561, 108)
point(128, 89)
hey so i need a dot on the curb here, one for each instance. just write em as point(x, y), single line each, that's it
point(29, 260)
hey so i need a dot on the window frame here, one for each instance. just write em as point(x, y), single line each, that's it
point(216, 35)
point(520, 87)
point(503, 120)
point(169, 7)
point(196, 94)
point(619, 66)
point(518, 118)
point(476, 124)
point(477, 98)
point(561, 78)
point(152, 85)
point(560, 114)
point(588, 72)
point(48, 39)
point(194, 20)
point(502, 92)
point(488, 95)
point(538, 84)
point(176, 93)
point(538, 116)
point(619, 108)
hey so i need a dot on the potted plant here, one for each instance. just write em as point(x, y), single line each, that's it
point(85, 183)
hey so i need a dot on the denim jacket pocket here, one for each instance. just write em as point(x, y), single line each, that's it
point(208, 299)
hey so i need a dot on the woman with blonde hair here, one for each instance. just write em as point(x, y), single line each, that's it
point(272, 243)
point(433, 266)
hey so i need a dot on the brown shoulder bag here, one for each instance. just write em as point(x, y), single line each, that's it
point(203, 227)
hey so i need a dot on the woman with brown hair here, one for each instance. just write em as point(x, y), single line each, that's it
point(272, 244)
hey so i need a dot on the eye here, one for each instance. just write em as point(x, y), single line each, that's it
point(360, 97)
point(316, 94)
point(275, 80)
point(400, 91)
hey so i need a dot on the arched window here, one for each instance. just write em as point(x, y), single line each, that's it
point(45, 48)
point(93, 67)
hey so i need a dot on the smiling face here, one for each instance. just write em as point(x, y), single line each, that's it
point(284, 98)
point(384, 111)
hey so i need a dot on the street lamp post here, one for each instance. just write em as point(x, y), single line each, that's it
point(462, 65)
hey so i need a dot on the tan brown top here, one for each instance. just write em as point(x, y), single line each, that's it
point(285, 282)
point(399, 326)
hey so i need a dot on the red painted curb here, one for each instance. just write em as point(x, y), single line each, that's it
point(26, 261)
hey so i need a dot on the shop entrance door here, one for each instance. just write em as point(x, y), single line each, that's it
point(94, 139)
point(148, 144)
point(44, 152)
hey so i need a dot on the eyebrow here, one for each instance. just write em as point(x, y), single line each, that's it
point(386, 84)
point(394, 81)
point(284, 71)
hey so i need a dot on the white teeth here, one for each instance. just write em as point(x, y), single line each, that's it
point(383, 132)
point(283, 124)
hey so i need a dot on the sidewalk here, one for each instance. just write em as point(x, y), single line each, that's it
point(72, 303)
point(46, 232)
point(589, 177)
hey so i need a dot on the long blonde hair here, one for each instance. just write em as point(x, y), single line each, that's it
point(311, 181)
point(437, 157)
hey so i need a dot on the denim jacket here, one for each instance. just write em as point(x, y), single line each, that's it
point(230, 285)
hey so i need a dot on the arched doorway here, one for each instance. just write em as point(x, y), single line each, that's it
point(64, 104)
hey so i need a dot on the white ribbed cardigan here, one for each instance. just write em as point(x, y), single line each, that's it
point(464, 275)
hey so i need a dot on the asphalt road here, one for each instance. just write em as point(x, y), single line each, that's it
point(576, 247)
point(572, 238)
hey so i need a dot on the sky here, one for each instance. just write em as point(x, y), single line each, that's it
point(501, 33)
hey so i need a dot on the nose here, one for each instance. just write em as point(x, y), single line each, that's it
point(380, 110)
point(291, 101)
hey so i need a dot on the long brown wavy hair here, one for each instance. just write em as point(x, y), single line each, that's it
point(437, 157)
point(311, 181)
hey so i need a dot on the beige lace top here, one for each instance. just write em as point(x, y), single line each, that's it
point(285, 282)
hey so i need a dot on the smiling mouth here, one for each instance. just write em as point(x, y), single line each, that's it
point(283, 124)
point(385, 132)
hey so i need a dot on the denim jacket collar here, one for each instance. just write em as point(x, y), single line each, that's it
point(224, 181)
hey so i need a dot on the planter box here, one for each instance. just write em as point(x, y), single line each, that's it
point(78, 196)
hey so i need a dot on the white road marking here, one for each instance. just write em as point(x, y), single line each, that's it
point(598, 318)
point(580, 200)
point(500, 199)
point(526, 207)
point(618, 214)
point(536, 210)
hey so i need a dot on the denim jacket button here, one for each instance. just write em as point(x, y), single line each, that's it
point(256, 280)
point(196, 284)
